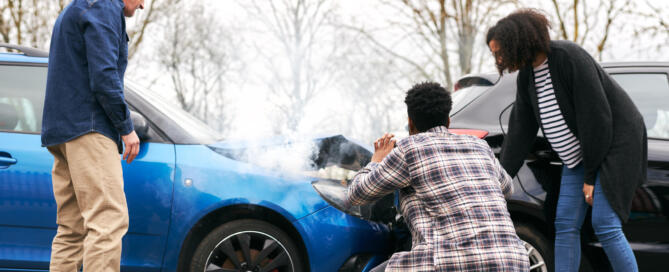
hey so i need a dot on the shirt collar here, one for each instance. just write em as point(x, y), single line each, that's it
point(438, 129)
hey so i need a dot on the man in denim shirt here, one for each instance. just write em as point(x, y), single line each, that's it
point(85, 118)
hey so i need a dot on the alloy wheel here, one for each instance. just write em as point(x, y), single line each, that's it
point(537, 262)
point(249, 251)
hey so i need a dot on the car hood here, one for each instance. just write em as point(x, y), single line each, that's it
point(303, 154)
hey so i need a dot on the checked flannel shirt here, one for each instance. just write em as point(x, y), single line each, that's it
point(452, 198)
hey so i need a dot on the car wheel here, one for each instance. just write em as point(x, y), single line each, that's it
point(538, 248)
point(247, 245)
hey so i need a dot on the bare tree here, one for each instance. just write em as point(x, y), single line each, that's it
point(588, 23)
point(4, 22)
point(654, 29)
point(369, 87)
point(471, 18)
point(30, 22)
point(198, 55)
point(438, 29)
point(138, 25)
point(376, 100)
point(298, 53)
point(27, 22)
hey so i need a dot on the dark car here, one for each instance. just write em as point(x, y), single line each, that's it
point(483, 103)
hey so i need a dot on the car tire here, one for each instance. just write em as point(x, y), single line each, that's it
point(265, 245)
point(539, 249)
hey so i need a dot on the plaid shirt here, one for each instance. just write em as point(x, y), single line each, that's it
point(452, 198)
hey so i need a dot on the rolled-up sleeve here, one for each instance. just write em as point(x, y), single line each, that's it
point(379, 179)
point(102, 33)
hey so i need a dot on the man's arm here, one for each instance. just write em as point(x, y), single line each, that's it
point(505, 181)
point(101, 37)
point(378, 179)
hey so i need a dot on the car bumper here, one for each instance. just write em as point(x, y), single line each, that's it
point(333, 239)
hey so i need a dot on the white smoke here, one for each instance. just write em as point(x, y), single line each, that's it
point(287, 158)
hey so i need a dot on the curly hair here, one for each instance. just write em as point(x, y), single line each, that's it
point(428, 105)
point(521, 36)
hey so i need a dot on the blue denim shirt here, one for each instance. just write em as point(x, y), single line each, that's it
point(87, 60)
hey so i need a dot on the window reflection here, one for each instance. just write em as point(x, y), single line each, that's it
point(650, 93)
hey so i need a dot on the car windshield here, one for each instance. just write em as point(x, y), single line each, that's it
point(196, 128)
point(464, 96)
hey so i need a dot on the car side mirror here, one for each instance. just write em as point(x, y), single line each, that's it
point(140, 124)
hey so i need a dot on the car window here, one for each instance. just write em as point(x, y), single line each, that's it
point(21, 98)
point(650, 93)
point(193, 126)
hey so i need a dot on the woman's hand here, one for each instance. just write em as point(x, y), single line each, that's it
point(587, 192)
point(382, 147)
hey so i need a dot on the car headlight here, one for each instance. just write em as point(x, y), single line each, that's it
point(334, 193)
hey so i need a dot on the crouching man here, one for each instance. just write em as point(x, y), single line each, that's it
point(451, 193)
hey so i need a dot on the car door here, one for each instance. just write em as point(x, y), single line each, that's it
point(27, 208)
point(149, 184)
point(148, 189)
point(648, 224)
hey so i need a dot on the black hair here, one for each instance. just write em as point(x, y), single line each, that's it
point(428, 105)
point(521, 36)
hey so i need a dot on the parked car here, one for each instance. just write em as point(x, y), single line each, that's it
point(483, 103)
point(195, 202)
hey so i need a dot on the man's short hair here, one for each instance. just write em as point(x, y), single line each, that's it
point(428, 105)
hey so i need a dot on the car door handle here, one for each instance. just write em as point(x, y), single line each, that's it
point(4, 161)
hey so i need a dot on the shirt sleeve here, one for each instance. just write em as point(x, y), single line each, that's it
point(102, 36)
point(505, 181)
point(379, 179)
point(522, 132)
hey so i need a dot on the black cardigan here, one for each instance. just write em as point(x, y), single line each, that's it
point(599, 112)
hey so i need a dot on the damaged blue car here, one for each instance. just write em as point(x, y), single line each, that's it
point(196, 202)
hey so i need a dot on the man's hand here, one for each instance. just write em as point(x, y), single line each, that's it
point(382, 147)
point(587, 192)
point(131, 146)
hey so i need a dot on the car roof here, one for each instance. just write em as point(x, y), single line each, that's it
point(635, 64)
point(26, 54)
point(21, 58)
point(493, 76)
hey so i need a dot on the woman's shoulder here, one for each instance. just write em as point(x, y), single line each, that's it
point(566, 49)
point(564, 45)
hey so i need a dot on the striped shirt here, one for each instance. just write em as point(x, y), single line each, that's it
point(561, 138)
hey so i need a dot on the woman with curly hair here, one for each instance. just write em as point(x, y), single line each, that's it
point(589, 121)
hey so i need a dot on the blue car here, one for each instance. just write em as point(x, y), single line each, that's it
point(196, 203)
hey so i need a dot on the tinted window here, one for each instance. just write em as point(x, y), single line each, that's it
point(650, 93)
point(22, 98)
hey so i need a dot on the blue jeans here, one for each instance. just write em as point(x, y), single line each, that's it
point(571, 210)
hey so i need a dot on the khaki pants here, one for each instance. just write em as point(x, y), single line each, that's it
point(92, 212)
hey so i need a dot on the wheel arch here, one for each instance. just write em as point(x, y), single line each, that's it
point(236, 212)
point(530, 215)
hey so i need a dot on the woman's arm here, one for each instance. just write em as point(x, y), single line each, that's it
point(523, 129)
